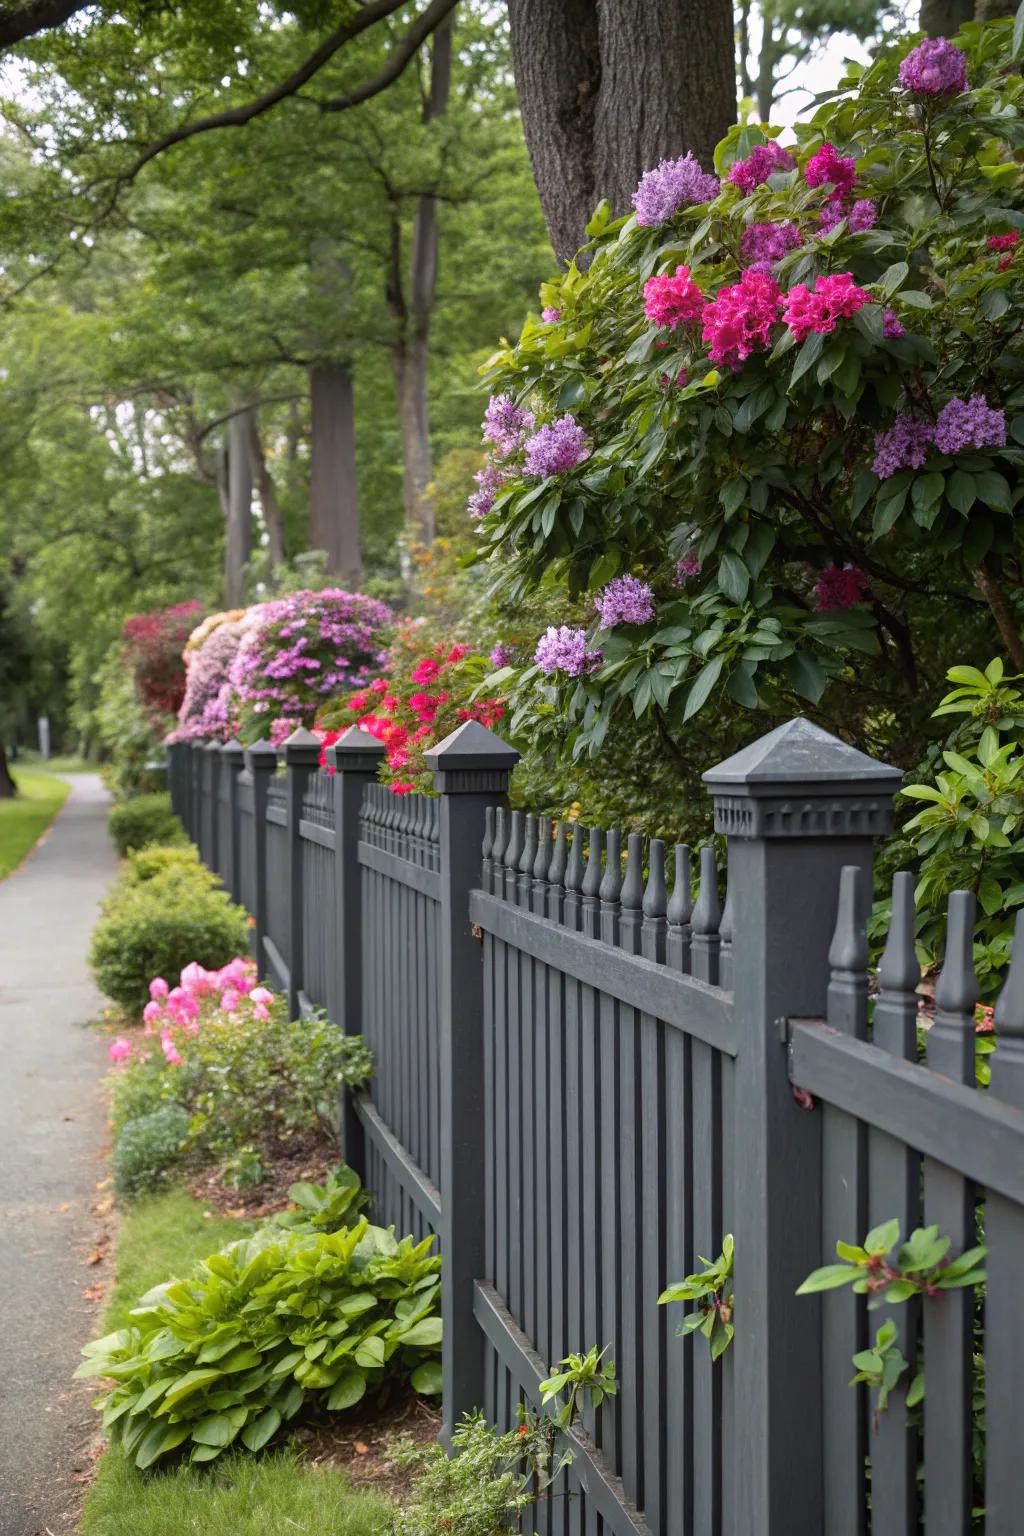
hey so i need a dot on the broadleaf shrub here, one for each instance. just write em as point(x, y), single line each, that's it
point(147, 1147)
point(143, 820)
point(261, 1329)
point(156, 928)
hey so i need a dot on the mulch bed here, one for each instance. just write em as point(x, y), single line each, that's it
point(360, 1442)
point(309, 1157)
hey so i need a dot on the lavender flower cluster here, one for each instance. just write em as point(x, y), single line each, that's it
point(562, 649)
point(206, 712)
point(303, 647)
point(960, 424)
point(935, 67)
point(505, 427)
point(556, 447)
point(626, 600)
point(672, 185)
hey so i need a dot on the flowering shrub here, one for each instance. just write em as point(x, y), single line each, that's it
point(206, 708)
point(299, 649)
point(220, 1046)
point(153, 647)
point(796, 394)
point(428, 693)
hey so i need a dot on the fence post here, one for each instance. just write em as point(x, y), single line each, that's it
point(174, 751)
point(471, 772)
point(355, 758)
point(302, 758)
point(232, 755)
point(261, 761)
point(211, 853)
point(796, 806)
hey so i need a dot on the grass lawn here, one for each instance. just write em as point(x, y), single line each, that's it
point(239, 1495)
point(23, 819)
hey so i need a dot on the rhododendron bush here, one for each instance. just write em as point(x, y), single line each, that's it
point(207, 712)
point(773, 428)
point(219, 1045)
point(152, 650)
point(299, 650)
point(429, 691)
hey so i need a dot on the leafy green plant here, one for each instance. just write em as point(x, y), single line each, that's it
point(148, 1146)
point(142, 821)
point(889, 1272)
point(711, 1288)
point(325, 1207)
point(167, 863)
point(584, 1376)
point(263, 1328)
point(155, 930)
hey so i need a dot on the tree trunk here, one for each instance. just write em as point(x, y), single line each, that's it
point(334, 490)
point(605, 95)
point(8, 788)
point(269, 504)
point(238, 533)
point(994, 10)
point(410, 366)
point(944, 18)
point(1006, 623)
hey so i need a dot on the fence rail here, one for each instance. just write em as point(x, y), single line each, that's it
point(590, 1069)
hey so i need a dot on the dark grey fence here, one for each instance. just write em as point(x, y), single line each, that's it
point(585, 1078)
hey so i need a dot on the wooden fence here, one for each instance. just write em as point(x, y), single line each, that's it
point(585, 1078)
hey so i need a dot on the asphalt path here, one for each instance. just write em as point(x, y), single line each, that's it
point(52, 1126)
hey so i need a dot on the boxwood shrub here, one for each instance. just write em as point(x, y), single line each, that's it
point(144, 820)
point(156, 928)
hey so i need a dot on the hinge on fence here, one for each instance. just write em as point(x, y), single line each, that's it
point(477, 932)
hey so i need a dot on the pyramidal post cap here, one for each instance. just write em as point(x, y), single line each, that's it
point(471, 745)
point(800, 781)
point(302, 747)
point(211, 746)
point(356, 750)
point(233, 748)
point(261, 754)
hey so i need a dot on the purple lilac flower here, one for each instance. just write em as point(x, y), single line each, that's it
point(831, 213)
point(556, 447)
point(550, 315)
point(935, 67)
point(892, 325)
point(765, 243)
point(969, 424)
point(501, 656)
point(904, 446)
point(626, 600)
point(490, 479)
point(689, 565)
point(205, 713)
point(863, 215)
point(505, 423)
point(763, 161)
point(565, 650)
point(670, 186)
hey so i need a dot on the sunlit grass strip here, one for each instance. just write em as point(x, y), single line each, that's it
point(24, 819)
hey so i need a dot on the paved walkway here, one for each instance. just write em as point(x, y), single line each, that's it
point(51, 1136)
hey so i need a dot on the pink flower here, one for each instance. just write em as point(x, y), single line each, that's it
point(120, 1049)
point(671, 301)
point(550, 315)
point(892, 325)
point(763, 161)
point(829, 167)
point(196, 979)
point(170, 1050)
point(260, 1011)
point(402, 789)
point(152, 1012)
point(261, 995)
point(1003, 242)
point(834, 298)
point(426, 670)
point(229, 1000)
point(839, 586)
point(158, 988)
point(740, 319)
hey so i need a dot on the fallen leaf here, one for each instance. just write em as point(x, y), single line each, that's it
point(360, 1448)
point(95, 1292)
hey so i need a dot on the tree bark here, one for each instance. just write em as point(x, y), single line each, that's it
point(8, 788)
point(994, 10)
point(238, 533)
point(410, 368)
point(944, 18)
point(1006, 623)
point(334, 489)
point(607, 90)
point(267, 492)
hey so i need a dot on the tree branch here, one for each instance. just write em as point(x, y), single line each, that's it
point(403, 52)
point(18, 22)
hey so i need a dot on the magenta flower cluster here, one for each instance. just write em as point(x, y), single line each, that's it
point(303, 647)
point(673, 300)
point(626, 600)
point(556, 447)
point(839, 586)
point(819, 310)
point(829, 168)
point(935, 67)
point(763, 161)
point(672, 185)
point(740, 318)
point(761, 244)
point(501, 655)
point(859, 216)
point(550, 315)
point(688, 566)
point(563, 649)
point(960, 424)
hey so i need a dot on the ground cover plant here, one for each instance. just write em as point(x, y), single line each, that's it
point(221, 1075)
point(772, 433)
point(139, 821)
point(24, 819)
point(259, 1330)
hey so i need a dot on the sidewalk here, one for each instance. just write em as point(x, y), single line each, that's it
point(51, 1134)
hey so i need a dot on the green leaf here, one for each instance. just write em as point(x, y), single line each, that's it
point(893, 277)
point(733, 577)
point(808, 355)
point(347, 1390)
point(927, 489)
point(214, 1429)
point(961, 491)
point(426, 1378)
point(733, 494)
point(993, 490)
point(828, 1278)
point(255, 1435)
point(807, 675)
point(426, 1333)
point(704, 682)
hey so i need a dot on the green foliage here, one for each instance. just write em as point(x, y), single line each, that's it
point(147, 1148)
point(967, 836)
point(143, 820)
point(147, 930)
point(764, 474)
point(169, 865)
point(585, 1377)
point(249, 1497)
point(126, 733)
point(711, 1288)
point(325, 1207)
point(268, 1325)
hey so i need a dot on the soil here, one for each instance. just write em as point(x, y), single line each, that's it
point(361, 1442)
point(309, 1156)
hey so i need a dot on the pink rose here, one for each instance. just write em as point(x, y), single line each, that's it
point(120, 1049)
point(152, 1012)
point(158, 988)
